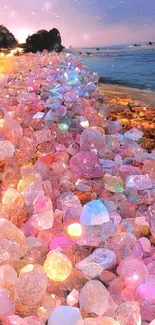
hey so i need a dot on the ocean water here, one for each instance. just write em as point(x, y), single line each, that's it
point(124, 65)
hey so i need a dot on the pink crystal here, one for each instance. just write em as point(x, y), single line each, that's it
point(91, 139)
point(8, 276)
point(139, 182)
point(133, 271)
point(94, 298)
point(146, 291)
point(7, 306)
point(31, 285)
point(64, 162)
point(73, 298)
point(85, 164)
point(102, 257)
point(6, 150)
point(129, 313)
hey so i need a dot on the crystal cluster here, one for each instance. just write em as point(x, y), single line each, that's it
point(77, 209)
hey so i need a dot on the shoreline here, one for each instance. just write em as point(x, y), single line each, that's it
point(133, 108)
point(145, 97)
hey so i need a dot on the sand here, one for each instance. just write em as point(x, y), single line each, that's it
point(132, 108)
point(146, 97)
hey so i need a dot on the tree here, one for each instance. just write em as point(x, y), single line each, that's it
point(44, 40)
point(7, 39)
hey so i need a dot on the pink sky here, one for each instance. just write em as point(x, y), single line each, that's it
point(82, 23)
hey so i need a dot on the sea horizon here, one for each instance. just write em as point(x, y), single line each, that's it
point(125, 64)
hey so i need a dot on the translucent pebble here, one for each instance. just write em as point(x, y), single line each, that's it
point(33, 242)
point(6, 150)
point(7, 306)
point(8, 276)
point(73, 298)
point(134, 134)
point(89, 269)
point(29, 178)
point(139, 182)
point(129, 313)
point(12, 199)
point(133, 271)
point(42, 220)
point(146, 291)
point(57, 266)
point(94, 298)
point(31, 285)
point(113, 183)
point(38, 115)
point(90, 236)
point(94, 213)
point(91, 138)
point(9, 250)
point(85, 164)
point(42, 135)
point(70, 204)
point(12, 241)
point(145, 244)
point(14, 126)
point(101, 257)
point(64, 315)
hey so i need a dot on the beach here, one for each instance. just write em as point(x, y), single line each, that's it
point(146, 97)
point(77, 193)
point(132, 108)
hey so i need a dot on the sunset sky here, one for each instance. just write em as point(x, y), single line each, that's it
point(82, 23)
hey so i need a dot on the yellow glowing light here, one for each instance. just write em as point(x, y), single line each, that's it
point(57, 266)
point(15, 51)
point(74, 230)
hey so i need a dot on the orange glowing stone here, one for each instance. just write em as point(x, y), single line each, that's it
point(74, 230)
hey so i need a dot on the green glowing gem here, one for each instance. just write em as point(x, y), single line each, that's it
point(64, 124)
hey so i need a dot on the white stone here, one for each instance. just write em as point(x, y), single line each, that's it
point(94, 213)
point(94, 298)
point(64, 315)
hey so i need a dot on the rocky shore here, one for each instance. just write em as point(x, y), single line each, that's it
point(132, 108)
point(77, 174)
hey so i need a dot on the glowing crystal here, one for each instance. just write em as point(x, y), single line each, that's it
point(94, 213)
point(57, 266)
point(64, 315)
